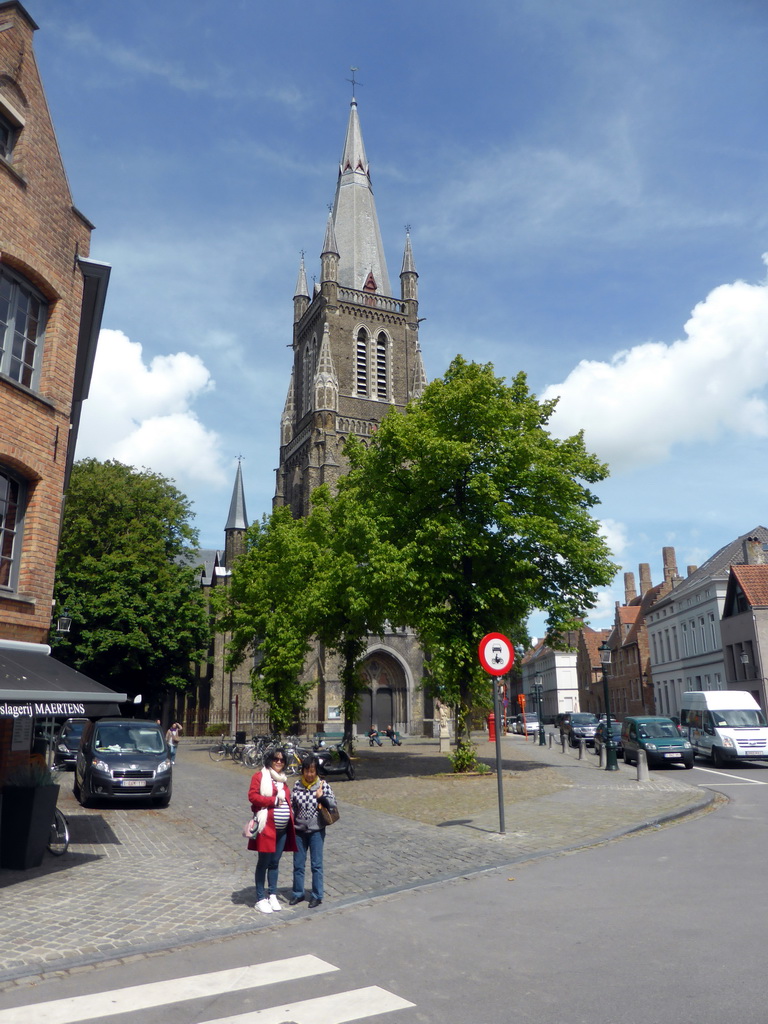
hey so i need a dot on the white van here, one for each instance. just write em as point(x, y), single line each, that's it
point(724, 725)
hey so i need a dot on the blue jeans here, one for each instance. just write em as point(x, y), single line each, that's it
point(312, 842)
point(172, 750)
point(267, 865)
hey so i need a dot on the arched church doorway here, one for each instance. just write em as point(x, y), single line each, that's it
point(384, 701)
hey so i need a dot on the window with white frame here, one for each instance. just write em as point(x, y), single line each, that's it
point(12, 497)
point(22, 326)
point(8, 135)
point(382, 366)
point(361, 364)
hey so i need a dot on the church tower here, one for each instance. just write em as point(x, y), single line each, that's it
point(355, 346)
point(356, 355)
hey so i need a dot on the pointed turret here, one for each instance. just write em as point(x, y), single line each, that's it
point(356, 226)
point(301, 295)
point(237, 521)
point(409, 282)
point(289, 414)
point(419, 381)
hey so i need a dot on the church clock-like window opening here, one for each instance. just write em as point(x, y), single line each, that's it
point(382, 375)
point(22, 324)
point(11, 505)
point(362, 362)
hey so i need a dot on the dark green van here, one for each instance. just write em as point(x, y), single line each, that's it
point(659, 738)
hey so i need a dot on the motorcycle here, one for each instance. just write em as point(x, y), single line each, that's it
point(333, 761)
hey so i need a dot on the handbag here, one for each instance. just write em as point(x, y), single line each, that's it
point(252, 827)
point(327, 817)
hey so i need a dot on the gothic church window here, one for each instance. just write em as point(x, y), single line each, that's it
point(22, 325)
point(8, 133)
point(361, 363)
point(382, 366)
point(307, 377)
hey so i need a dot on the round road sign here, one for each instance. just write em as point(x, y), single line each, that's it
point(496, 653)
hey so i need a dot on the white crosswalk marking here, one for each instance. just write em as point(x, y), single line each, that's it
point(336, 1009)
point(163, 993)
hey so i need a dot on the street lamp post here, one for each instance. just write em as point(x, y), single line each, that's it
point(537, 686)
point(611, 762)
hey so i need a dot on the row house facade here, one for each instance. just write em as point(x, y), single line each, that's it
point(556, 671)
point(684, 627)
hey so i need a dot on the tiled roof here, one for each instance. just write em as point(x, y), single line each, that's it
point(718, 566)
point(753, 580)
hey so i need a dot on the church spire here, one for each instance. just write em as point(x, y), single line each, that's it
point(237, 521)
point(301, 295)
point(356, 226)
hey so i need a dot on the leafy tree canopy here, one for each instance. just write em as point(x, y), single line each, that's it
point(125, 574)
point(490, 514)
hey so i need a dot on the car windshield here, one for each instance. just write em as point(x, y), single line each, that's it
point(72, 730)
point(658, 730)
point(119, 740)
point(583, 719)
point(739, 718)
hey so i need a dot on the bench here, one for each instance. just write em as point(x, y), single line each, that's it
point(379, 736)
point(327, 737)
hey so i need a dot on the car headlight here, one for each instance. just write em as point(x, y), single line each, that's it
point(164, 766)
point(728, 742)
point(650, 746)
point(101, 766)
point(687, 745)
point(63, 748)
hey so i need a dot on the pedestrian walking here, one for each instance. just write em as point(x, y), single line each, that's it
point(172, 738)
point(308, 793)
point(271, 803)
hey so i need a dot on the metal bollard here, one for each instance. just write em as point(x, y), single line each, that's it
point(582, 749)
point(551, 738)
point(642, 766)
point(603, 755)
point(562, 743)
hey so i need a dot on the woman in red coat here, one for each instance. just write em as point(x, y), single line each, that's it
point(271, 802)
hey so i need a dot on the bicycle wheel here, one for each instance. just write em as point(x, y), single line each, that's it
point(217, 753)
point(58, 839)
point(250, 758)
point(237, 754)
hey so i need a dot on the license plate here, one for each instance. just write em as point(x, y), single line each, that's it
point(673, 755)
point(139, 783)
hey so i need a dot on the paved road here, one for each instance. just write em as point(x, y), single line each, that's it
point(143, 880)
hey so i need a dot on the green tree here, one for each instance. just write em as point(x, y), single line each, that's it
point(355, 575)
point(267, 607)
point(490, 514)
point(318, 578)
point(125, 574)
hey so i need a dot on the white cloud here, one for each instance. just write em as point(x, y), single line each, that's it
point(635, 409)
point(615, 534)
point(141, 414)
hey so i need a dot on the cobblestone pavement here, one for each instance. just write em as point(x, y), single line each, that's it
point(138, 879)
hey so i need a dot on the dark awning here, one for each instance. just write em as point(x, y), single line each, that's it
point(31, 678)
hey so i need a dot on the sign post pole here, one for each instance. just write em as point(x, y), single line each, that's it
point(497, 656)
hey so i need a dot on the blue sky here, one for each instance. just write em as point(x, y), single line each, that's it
point(587, 190)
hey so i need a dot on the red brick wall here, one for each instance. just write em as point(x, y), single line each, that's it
point(41, 235)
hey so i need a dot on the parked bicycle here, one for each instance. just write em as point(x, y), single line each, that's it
point(58, 838)
point(227, 748)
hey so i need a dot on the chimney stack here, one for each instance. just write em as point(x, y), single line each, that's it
point(691, 569)
point(630, 593)
point(645, 577)
point(670, 564)
point(753, 551)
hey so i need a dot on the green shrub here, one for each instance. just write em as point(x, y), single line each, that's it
point(464, 759)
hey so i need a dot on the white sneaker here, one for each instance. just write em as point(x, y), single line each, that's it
point(264, 906)
point(274, 903)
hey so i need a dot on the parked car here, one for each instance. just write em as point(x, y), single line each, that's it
point(66, 743)
point(123, 758)
point(659, 738)
point(527, 722)
point(578, 726)
point(600, 735)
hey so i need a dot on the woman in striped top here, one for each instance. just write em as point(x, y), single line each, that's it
point(271, 802)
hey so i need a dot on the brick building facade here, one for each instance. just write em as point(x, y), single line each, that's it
point(51, 299)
